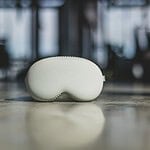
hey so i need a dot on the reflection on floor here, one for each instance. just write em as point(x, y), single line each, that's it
point(118, 120)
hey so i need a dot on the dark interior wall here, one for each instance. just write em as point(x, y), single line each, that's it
point(74, 28)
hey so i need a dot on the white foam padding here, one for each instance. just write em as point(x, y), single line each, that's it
point(48, 78)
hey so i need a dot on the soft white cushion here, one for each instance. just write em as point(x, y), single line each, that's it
point(50, 77)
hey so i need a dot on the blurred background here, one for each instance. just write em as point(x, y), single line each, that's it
point(115, 34)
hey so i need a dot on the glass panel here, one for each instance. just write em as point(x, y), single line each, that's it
point(51, 3)
point(128, 2)
point(27, 3)
point(15, 28)
point(48, 32)
point(119, 31)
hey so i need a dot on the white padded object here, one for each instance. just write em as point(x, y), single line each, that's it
point(50, 77)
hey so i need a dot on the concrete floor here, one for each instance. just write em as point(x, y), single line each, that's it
point(118, 120)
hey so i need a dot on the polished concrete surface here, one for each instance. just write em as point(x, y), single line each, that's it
point(118, 120)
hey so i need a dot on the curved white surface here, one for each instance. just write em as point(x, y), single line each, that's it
point(50, 77)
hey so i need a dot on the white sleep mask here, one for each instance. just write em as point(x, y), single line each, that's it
point(48, 78)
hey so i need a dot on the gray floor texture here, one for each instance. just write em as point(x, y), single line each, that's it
point(118, 120)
